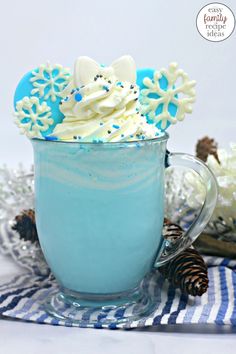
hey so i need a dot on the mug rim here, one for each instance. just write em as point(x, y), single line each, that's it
point(165, 137)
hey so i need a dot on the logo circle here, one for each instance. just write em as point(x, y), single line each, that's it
point(215, 22)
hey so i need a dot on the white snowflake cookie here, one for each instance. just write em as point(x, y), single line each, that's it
point(32, 117)
point(177, 91)
point(49, 81)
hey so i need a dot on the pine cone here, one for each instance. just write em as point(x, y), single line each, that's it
point(186, 271)
point(206, 147)
point(25, 226)
point(171, 231)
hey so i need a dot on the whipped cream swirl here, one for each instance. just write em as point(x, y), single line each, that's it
point(103, 109)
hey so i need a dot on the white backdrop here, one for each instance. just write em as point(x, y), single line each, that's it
point(154, 33)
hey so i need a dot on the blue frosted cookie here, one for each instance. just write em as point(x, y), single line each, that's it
point(154, 101)
point(37, 99)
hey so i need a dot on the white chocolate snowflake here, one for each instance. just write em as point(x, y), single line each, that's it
point(178, 84)
point(50, 81)
point(32, 117)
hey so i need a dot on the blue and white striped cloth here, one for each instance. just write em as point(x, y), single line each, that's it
point(22, 298)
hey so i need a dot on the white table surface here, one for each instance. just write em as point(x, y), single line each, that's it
point(17, 337)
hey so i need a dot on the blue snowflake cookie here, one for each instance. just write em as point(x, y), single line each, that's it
point(159, 95)
point(142, 74)
point(37, 98)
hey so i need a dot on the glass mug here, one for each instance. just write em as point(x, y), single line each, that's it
point(99, 214)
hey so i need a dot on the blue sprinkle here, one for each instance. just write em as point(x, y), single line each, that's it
point(119, 83)
point(105, 88)
point(51, 138)
point(116, 126)
point(73, 91)
point(78, 97)
point(101, 123)
point(66, 99)
point(122, 135)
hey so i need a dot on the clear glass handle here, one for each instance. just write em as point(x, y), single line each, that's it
point(169, 249)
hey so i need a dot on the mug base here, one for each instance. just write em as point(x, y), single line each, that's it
point(94, 310)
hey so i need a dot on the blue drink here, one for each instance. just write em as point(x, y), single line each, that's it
point(99, 210)
point(99, 214)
